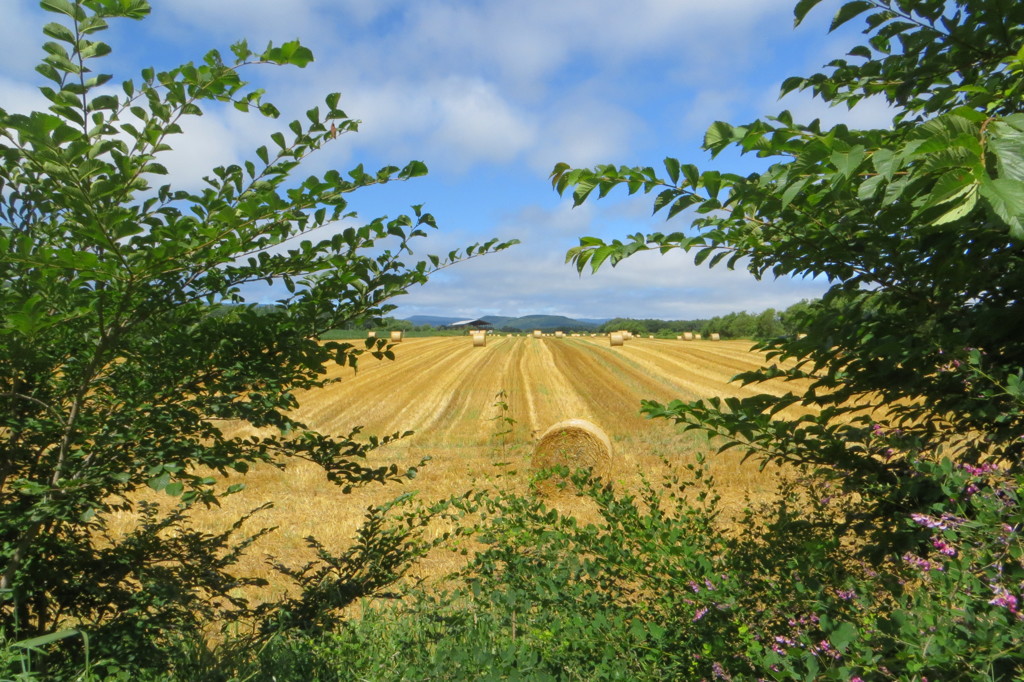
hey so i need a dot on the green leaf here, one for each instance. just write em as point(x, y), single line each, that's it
point(801, 9)
point(842, 636)
point(60, 32)
point(849, 11)
point(672, 168)
point(847, 162)
point(43, 640)
point(174, 489)
point(63, 7)
point(1006, 198)
point(718, 135)
point(160, 482)
point(1006, 142)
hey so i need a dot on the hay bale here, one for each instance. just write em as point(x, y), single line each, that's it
point(559, 335)
point(698, 337)
point(650, 336)
point(715, 336)
point(687, 336)
point(479, 340)
point(536, 333)
point(396, 337)
point(574, 444)
point(371, 335)
point(616, 339)
point(626, 336)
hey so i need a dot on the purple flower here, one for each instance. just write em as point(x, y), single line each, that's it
point(927, 521)
point(694, 586)
point(920, 563)
point(719, 672)
point(1004, 598)
point(708, 584)
point(943, 547)
point(981, 470)
point(700, 613)
point(846, 595)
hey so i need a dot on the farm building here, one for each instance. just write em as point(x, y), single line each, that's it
point(469, 324)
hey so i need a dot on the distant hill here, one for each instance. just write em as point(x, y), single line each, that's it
point(529, 322)
point(525, 323)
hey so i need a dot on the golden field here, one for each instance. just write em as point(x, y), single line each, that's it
point(445, 389)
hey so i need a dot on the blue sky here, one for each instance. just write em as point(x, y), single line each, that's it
point(491, 94)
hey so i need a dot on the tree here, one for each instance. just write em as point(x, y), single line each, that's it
point(918, 226)
point(127, 340)
point(914, 359)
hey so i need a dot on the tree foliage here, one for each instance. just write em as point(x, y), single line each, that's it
point(127, 340)
point(917, 226)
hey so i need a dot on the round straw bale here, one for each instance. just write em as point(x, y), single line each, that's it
point(687, 336)
point(698, 337)
point(616, 339)
point(371, 335)
point(559, 335)
point(715, 336)
point(536, 333)
point(574, 444)
point(396, 336)
point(479, 340)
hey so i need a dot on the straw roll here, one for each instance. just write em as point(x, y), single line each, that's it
point(574, 444)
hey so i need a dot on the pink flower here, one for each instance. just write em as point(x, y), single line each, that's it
point(1005, 599)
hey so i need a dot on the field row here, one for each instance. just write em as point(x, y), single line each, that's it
point(445, 390)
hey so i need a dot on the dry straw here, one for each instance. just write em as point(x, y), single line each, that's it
point(479, 340)
point(716, 336)
point(687, 336)
point(536, 333)
point(573, 444)
point(396, 337)
point(698, 337)
point(371, 335)
point(616, 339)
point(559, 335)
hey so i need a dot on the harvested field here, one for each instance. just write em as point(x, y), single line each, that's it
point(444, 389)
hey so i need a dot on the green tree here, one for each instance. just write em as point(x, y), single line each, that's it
point(127, 341)
point(918, 226)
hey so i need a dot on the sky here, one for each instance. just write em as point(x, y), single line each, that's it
point(491, 94)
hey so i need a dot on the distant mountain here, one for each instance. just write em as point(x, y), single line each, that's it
point(525, 323)
point(529, 322)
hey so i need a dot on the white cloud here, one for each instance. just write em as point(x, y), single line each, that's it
point(19, 97)
point(534, 279)
point(21, 35)
point(868, 114)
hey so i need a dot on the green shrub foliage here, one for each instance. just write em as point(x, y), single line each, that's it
point(915, 350)
point(126, 338)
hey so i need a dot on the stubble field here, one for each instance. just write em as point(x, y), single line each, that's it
point(445, 390)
